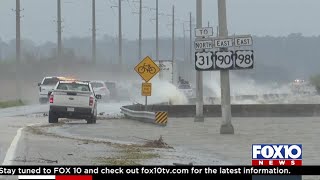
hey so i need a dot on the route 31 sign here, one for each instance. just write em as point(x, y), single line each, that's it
point(244, 59)
point(204, 61)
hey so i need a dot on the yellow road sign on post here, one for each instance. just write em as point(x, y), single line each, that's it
point(146, 89)
point(147, 68)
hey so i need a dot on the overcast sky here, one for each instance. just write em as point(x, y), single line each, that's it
point(256, 17)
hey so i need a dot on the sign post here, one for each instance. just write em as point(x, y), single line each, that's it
point(147, 69)
point(222, 53)
point(203, 59)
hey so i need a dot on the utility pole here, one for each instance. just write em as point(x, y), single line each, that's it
point(173, 48)
point(120, 34)
point(199, 76)
point(157, 30)
point(184, 42)
point(140, 30)
point(157, 35)
point(94, 51)
point(226, 126)
point(190, 45)
point(18, 50)
point(59, 57)
point(18, 31)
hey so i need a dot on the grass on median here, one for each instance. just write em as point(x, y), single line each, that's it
point(13, 103)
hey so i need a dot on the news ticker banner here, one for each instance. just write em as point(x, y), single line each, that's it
point(159, 170)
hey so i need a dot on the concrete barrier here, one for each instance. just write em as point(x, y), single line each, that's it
point(264, 97)
point(237, 110)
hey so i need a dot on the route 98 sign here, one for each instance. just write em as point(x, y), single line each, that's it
point(244, 59)
point(224, 60)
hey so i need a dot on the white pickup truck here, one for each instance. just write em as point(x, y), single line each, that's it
point(47, 84)
point(73, 99)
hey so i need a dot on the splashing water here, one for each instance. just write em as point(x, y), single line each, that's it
point(245, 86)
point(162, 92)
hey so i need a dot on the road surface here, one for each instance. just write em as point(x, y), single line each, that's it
point(121, 141)
point(204, 138)
point(14, 120)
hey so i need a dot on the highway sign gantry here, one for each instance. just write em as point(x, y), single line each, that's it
point(147, 69)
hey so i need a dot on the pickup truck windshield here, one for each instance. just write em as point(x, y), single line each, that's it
point(73, 87)
point(50, 81)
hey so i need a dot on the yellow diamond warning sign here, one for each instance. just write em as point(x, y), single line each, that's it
point(147, 69)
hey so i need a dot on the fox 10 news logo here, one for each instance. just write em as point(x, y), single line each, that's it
point(276, 154)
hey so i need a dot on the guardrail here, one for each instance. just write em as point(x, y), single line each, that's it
point(237, 110)
point(158, 118)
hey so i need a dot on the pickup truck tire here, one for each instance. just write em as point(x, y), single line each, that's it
point(93, 118)
point(53, 118)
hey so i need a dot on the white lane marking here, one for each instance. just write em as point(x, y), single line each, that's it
point(13, 146)
point(12, 149)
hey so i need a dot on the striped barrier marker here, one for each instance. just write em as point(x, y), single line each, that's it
point(161, 118)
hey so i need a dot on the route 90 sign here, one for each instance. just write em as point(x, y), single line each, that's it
point(224, 60)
